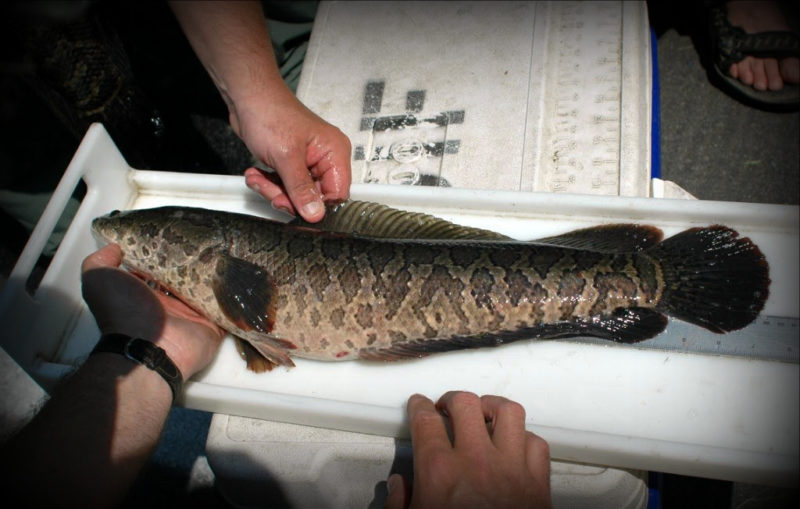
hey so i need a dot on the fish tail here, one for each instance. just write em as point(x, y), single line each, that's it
point(712, 278)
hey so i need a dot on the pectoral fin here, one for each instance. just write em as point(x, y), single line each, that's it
point(246, 296)
point(244, 293)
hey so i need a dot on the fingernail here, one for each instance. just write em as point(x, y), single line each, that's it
point(253, 186)
point(281, 209)
point(312, 209)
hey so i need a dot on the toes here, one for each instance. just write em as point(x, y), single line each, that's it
point(773, 74)
point(790, 69)
point(759, 74)
point(746, 71)
point(734, 71)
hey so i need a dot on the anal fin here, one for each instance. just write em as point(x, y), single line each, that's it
point(624, 325)
point(255, 361)
point(260, 355)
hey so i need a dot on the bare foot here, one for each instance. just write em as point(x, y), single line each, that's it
point(762, 73)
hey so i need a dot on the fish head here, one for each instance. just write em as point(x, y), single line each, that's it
point(157, 241)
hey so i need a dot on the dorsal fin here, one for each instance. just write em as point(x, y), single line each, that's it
point(607, 238)
point(367, 219)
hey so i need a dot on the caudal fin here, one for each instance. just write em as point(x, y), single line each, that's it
point(712, 278)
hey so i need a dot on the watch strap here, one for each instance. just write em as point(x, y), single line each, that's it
point(144, 352)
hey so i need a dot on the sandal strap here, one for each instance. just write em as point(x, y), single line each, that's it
point(734, 44)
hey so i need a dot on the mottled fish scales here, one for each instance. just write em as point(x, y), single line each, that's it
point(350, 291)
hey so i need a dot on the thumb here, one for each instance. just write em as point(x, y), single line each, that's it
point(398, 497)
point(302, 190)
point(108, 256)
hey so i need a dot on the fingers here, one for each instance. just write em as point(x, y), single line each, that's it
point(537, 453)
point(270, 187)
point(399, 492)
point(108, 256)
point(505, 466)
point(537, 460)
point(466, 412)
point(333, 169)
point(507, 422)
point(428, 430)
point(265, 184)
point(312, 165)
point(470, 415)
point(294, 192)
point(302, 191)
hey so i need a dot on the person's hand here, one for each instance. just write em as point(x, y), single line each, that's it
point(122, 303)
point(492, 461)
point(311, 157)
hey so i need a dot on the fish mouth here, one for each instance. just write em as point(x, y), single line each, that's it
point(98, 229)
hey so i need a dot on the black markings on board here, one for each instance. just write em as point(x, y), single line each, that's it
point(433, 149)
point(415, 99)
point(373, 97)
point(403, 121)
point(415, 102)
point(455, 117)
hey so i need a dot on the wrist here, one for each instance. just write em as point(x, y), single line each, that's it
point(185, 359)
point(266, 97)
point(128, 376)
point(146, 353)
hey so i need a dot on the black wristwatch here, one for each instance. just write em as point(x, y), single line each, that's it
point(146, 353)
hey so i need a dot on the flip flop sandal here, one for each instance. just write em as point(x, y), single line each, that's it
point(731, 44)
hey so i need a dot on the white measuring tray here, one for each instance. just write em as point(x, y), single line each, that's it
point(518, 96)
point(671, 410)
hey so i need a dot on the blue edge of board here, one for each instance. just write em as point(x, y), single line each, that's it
point(655, 479)
point(655, 133)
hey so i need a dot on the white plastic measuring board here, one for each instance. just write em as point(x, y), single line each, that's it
point(723, 416)
point(521, 96)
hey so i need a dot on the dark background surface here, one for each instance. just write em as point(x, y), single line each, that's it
point(711, 145)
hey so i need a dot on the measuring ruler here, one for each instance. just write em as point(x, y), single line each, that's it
point(582, 149)
point(581, 100)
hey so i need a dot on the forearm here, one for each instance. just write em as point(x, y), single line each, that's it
point(88, 443)
point(232, 42)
